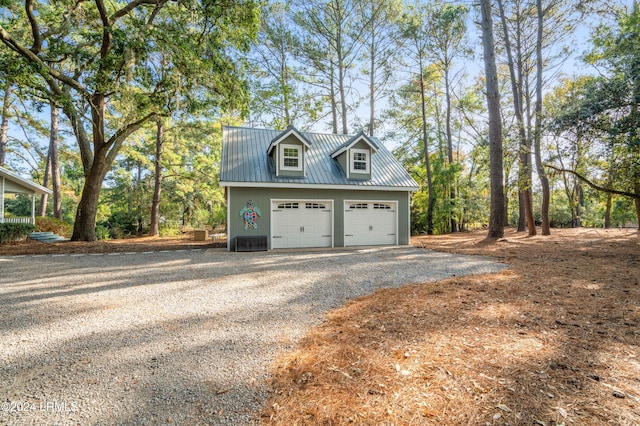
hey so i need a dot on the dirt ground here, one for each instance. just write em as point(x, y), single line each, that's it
point(553, 340)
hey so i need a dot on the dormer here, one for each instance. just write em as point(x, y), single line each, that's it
point(287, 152)
point(354, 156)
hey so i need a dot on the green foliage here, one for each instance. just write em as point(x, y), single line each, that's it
point(596, 121)
point(594, 209)
point(102, 232)
point(122, 224)
point(14, 231)
point(188, 65)
point(191, 195)
point(18, 206)
point(114, 66)
point(623, 212)
point(169, 231)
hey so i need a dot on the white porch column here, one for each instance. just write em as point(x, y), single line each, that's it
point(33, 208)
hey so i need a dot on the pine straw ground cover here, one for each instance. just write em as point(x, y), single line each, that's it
point(134, 244)
point(553, 340)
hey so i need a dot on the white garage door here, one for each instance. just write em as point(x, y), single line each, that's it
point(301, 223)
point(368, 223)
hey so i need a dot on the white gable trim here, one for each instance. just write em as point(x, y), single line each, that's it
point(356, 139)
point(284, 135)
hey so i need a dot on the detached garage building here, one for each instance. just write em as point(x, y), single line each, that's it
point(289, 189)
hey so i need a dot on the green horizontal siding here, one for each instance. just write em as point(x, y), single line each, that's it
point(261, 198)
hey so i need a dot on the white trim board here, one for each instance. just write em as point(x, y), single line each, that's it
point(319, 186)
point(367, 161)
point(299, 157)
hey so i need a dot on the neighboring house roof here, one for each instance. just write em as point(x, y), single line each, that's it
point(245, 162)
point(285, 134)
point(354, 140)
point(27, 186)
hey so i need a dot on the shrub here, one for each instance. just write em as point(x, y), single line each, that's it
point(166, 231)
point(14, 231)
point(57, 226)
point(102, 232)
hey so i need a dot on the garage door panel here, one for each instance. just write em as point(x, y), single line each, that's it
point(301, 223)
point(370, 223)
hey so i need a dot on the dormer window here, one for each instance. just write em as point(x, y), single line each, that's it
point(354, 157)
point(287, 151)
point(360, 161)
point(290, 157)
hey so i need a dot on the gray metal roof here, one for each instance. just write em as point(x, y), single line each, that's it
point(245, 160)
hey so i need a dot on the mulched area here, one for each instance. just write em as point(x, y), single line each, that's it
point(138, 244)
point(553, 340)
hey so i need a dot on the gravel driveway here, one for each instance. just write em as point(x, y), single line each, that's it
point(180, 337)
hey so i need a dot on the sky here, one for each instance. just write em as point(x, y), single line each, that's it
point(572, 67)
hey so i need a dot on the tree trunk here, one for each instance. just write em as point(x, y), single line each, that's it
point(506, 209)
point(284, 82)
point(542, 174)
point(528, 205)
point(372, 85)
point(157, 188)
point(528, 170)
point(432, 200)
point(637, 202)
point(522, 218)
point(452, 187)
point(447, 96)
point(85, 225)
point(341, 73)
point(578, 195)
point(607, 212)
point(452, 197)
point(525, 218)
point(496, 217)
point(52, 169)
point(343, 97)
point(334, 106)
point(4, 125)
point(96, 163)
point(44, 198)
point(84, 228)
point(56, 185)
